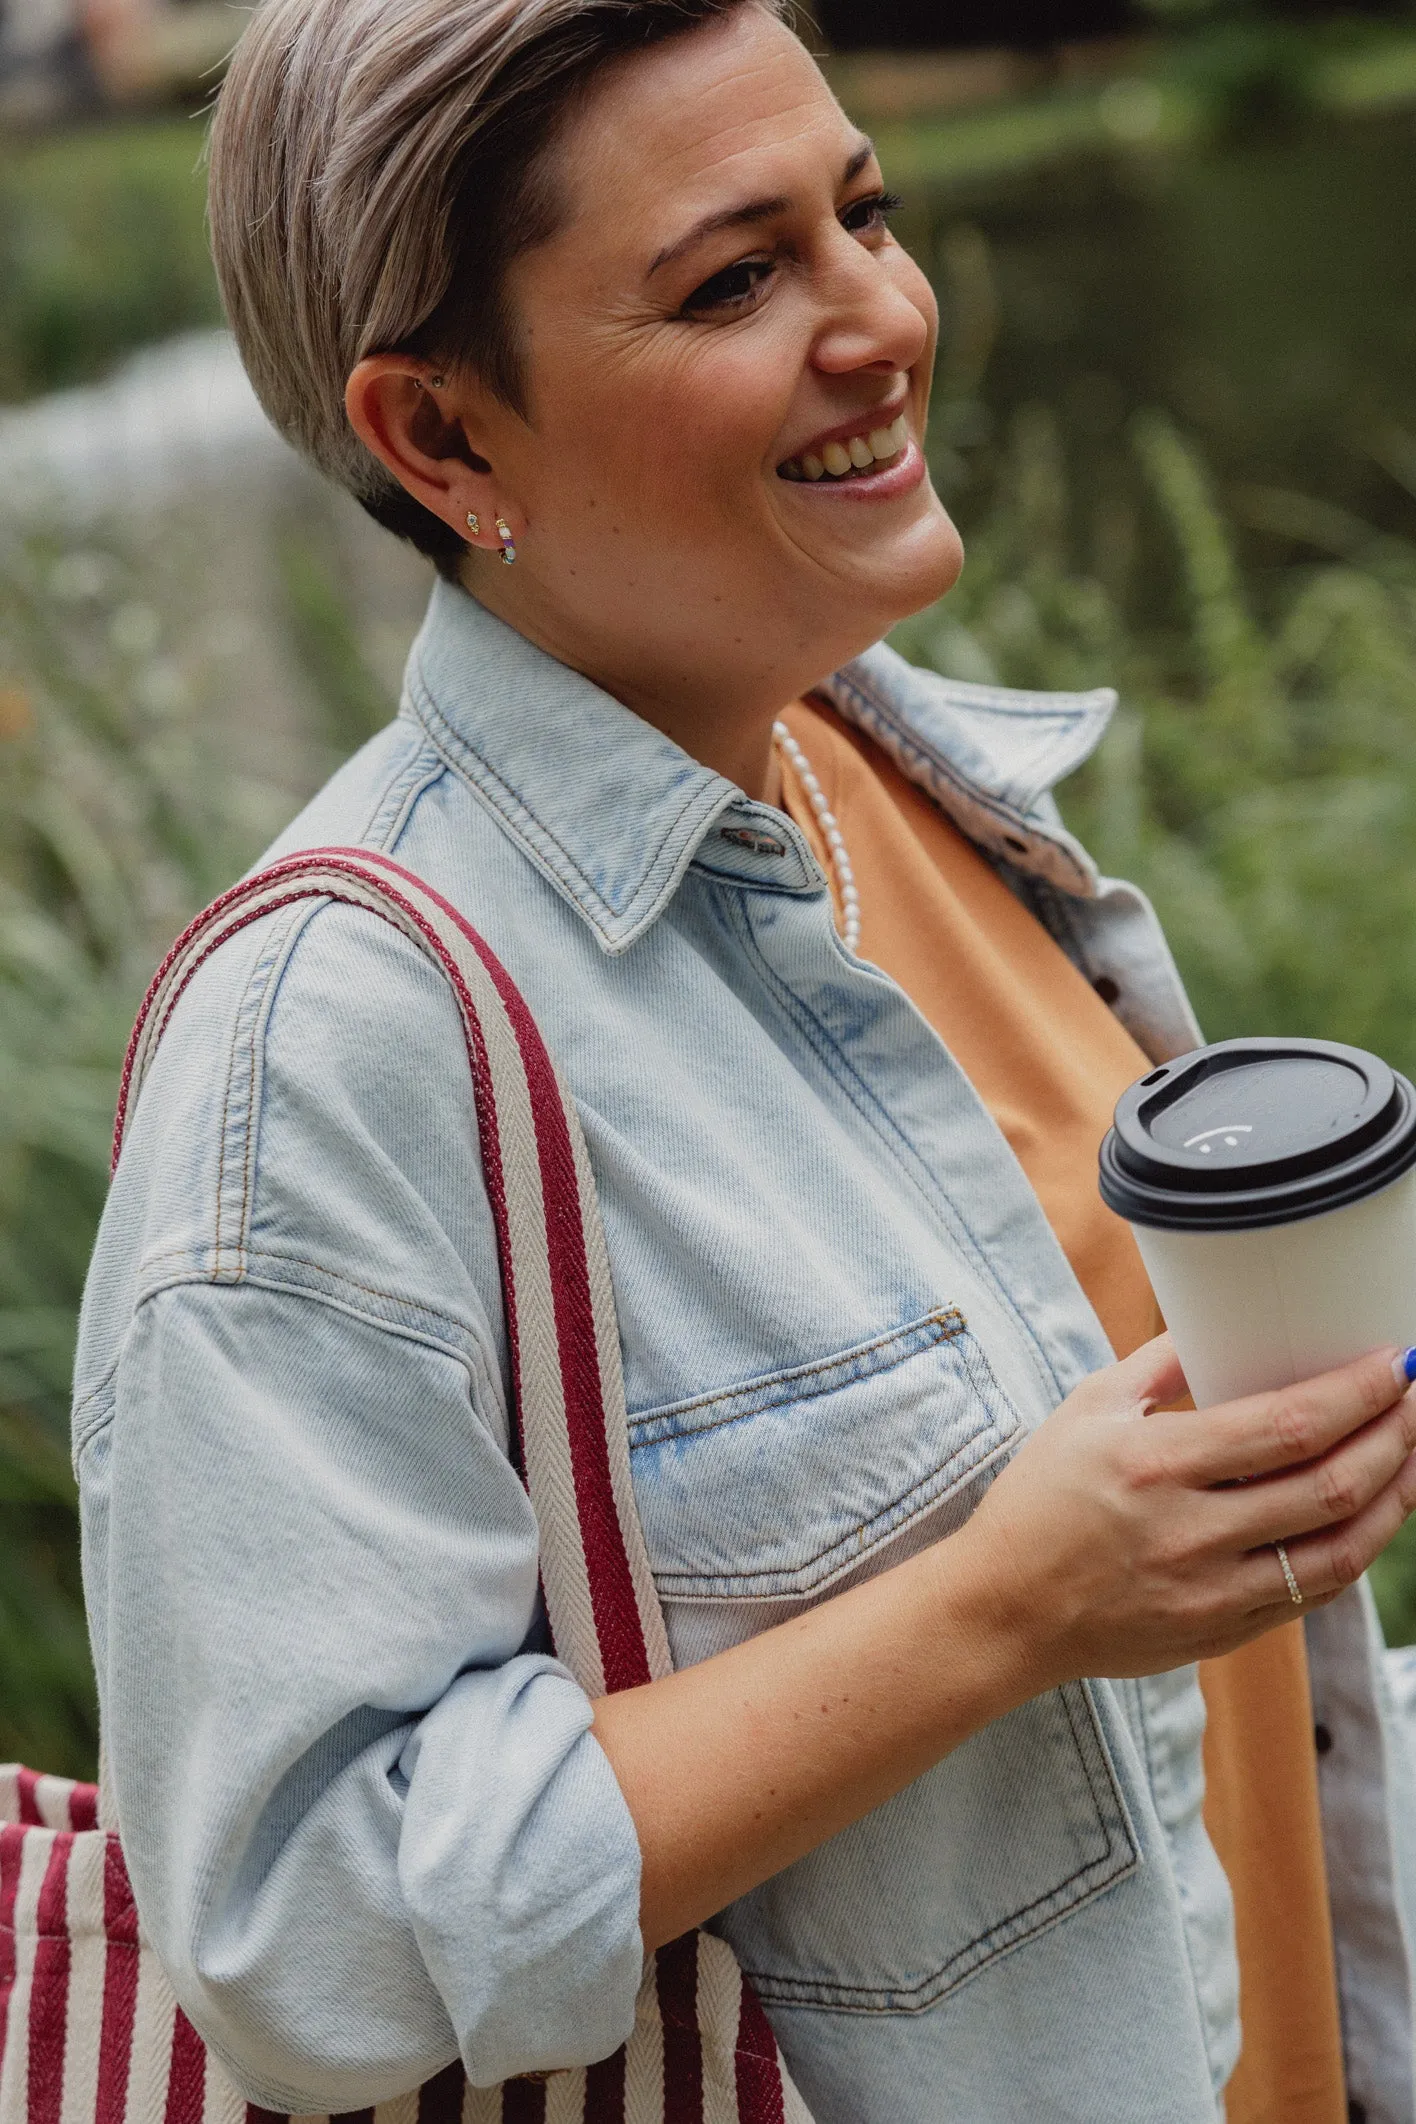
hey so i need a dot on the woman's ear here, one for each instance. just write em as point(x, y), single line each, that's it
point(414, 418)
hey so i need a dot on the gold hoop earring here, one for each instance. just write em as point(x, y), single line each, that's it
point(474, 524)
point(508, 544)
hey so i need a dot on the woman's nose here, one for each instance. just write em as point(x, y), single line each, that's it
point(870, 322)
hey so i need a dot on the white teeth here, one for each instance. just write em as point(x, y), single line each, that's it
point(857, 455)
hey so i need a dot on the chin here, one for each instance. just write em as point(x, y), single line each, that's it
point(913, 571)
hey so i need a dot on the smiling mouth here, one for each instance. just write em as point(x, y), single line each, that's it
point(853, 458)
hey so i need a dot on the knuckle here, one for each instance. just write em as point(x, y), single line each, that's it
point(1347, 1563)
point(1337, 1490)
point(1192, 1614)
point(1172, 1557)
point(1293, 1427)
point(1148, 1466)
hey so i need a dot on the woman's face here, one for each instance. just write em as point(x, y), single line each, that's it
point(719, 490)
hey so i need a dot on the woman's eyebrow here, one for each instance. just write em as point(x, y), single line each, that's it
point(749, 213)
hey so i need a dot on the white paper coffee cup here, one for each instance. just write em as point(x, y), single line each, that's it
point(1271, 1185)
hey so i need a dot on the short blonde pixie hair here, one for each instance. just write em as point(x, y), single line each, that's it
point(375, 168)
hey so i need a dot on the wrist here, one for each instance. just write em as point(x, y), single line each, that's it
point(997, 1616)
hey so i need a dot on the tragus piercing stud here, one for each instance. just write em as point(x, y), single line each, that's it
point(474, 523)
point(508, 544)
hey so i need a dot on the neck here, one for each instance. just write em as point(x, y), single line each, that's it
point(718, 708)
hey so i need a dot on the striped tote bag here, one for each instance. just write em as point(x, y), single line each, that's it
point(89, 2030)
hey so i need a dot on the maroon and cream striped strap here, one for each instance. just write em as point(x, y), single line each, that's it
point(702, 2051)
point(604, 1610)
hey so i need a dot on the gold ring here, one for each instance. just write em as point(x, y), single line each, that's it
point(1295, 1591)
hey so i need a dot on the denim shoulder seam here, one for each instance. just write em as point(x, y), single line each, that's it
point(232, 1257)
point(80, 1431)
point(462, 1346)
point(241, 1100)
point(242, 1109)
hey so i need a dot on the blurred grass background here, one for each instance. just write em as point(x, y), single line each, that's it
point(1175, 415)
point(102, 249)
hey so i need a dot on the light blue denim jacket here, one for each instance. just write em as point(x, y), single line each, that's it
point(366, 1820)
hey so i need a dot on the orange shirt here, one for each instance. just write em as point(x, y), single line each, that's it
point(1050, 1061)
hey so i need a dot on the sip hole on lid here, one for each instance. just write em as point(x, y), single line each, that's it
point(1257, 1132)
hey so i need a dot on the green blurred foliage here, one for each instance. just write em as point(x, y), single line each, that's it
point(1259, 779)
point(112, 827)
point(102, 248)
point(118, 819)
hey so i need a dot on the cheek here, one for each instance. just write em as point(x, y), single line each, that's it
point(674, 430)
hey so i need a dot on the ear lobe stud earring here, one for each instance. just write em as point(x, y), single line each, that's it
point(474, 524)
point(508, 544)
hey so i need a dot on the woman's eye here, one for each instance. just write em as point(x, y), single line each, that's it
point(865, 215)
point(732, 288)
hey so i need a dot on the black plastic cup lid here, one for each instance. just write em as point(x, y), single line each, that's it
point(1254, 1132)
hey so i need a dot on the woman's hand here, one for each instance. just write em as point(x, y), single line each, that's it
point(1121, 1539)
point(1126, 1538)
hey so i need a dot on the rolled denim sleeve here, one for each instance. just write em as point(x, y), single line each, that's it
point(368, 1825)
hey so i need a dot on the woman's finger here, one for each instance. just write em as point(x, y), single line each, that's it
point(1146, 1380)
point(1323, 1492)
point(1282, 1429)
point(1324, 1564)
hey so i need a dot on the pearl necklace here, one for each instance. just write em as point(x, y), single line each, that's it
point(830, 832)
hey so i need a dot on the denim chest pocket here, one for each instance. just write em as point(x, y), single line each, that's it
point(774, 1489)
point(759, 1500)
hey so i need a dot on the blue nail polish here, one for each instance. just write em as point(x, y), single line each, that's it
point(1408, 1364)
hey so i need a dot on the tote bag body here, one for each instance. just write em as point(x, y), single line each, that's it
point(90, 2032)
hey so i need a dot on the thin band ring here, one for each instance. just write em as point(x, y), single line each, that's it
point(1295, 1591)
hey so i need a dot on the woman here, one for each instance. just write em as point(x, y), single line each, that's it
point(596, 301)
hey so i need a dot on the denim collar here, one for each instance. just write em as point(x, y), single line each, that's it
point(614, 813)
